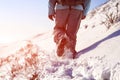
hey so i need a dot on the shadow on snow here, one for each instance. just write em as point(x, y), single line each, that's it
point(93, 46)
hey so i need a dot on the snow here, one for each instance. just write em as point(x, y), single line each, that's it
point(97, 45)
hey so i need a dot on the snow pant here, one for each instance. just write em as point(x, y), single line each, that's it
point(67, 22)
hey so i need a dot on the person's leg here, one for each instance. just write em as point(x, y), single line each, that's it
point(72, 28)
point(60, 24)
point(60, 30)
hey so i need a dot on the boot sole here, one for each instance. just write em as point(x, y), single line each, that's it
point(60, 48)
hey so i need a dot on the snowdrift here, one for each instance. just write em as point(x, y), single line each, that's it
point(97, 45)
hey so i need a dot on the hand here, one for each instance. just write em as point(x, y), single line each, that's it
point(83, 17)
point(51, 17)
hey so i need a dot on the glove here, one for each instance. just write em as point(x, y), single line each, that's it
point(51, 17)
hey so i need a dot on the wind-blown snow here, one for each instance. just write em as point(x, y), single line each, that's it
point(97, 45)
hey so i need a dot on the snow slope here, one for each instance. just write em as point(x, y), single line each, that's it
point(97, 45)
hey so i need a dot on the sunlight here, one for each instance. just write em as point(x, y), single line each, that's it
point(7, 39)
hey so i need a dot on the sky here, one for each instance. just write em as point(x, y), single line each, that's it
point(21, 19)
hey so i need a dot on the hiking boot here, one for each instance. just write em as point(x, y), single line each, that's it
point(61, 45)
point(74, 54)
point(71, 47)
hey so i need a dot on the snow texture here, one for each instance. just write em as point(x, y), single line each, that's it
point(97, 45)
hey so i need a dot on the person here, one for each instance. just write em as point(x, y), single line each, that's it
point(67, 22)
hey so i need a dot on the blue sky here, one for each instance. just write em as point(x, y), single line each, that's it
point(20, 19)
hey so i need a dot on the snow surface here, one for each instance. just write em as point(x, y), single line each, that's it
point(97, 45)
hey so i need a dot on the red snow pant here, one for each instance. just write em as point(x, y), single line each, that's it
point(67, 22)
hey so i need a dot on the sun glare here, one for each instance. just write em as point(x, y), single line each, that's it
point(7, 39)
